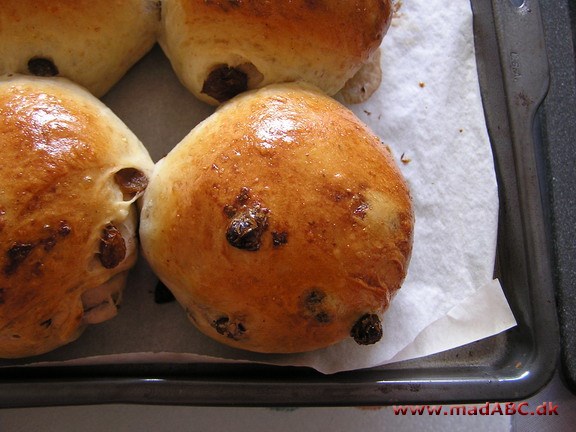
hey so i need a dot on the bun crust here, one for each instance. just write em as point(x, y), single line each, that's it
point(220, 47)
point(91, 42)
point(281, 223)
point(71, 171)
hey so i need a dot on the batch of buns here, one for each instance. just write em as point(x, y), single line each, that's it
point(281, 223)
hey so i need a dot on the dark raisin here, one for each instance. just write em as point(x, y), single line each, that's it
point(131, 181)
point(221, 324)
point(43, 67)
point(315, 307)
point(225, 82)
point(16, 256)
point(112, 247)
point(2, 296)
point(314, 298)
point(322, 317)
point(245, 230)
point(279, 238)
point(64, 229)
point(228, 328)
point(367, 330)
point(162, 294)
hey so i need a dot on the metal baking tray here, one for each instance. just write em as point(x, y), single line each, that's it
point(513, 73)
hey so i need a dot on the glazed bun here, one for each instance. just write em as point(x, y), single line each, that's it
point(91, 42)
point(281, 223)
point(71, 172)
point(220, 48)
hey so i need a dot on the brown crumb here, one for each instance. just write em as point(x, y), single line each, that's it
point(404, 159)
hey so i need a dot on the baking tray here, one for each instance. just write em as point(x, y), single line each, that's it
point(513, 365)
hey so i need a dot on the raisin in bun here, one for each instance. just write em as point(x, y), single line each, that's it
point(71, 171)
point(92, 42)
point(281, 223)
point(220, 48)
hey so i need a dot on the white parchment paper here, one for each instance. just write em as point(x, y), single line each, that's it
point(429, 112)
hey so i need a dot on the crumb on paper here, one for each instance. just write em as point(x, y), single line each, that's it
point(422, 84)
point(405, 160)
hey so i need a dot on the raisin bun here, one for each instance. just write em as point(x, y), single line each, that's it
point(220, 48)
point(71, 172)
point(280, 223)
point(92, 42)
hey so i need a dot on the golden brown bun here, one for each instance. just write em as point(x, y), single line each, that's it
point(281, 223)
point(221, 47)
point(71, 171)
point(92, 42)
